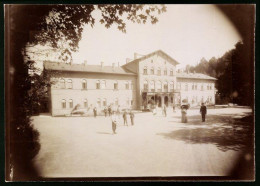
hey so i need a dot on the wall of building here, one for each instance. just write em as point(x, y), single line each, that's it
point(91, 94)
point(196, 96)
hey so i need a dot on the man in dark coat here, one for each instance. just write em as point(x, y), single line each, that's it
point(132, 117)
point(95, 111)
point(109, 110)
point(125, 118)
point(203, 112)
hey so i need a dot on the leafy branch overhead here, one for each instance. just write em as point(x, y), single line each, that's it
point(64, 24)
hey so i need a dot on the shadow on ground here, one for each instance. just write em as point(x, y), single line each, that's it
point(226, 132)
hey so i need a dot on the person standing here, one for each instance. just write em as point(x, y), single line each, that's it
point(164, 110)
point(132, 116)
point(114, 120)
point(125, 118)
point(95, 111)
point(184, 114)
point(203, 112)
point(105, 111)
point(109, 110)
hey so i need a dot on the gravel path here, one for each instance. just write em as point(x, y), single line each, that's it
point(154, 146)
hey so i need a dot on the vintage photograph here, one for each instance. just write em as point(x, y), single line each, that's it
point(123, 92)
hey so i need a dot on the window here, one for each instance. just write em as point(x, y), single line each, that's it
point(152, 71)
point(104, 102)
point(132, 102)
point(165, 72)
point(151, 61)
point(159, 86)
point(71, 103)
point(186, 87)
point(85, 103)
point(103, 84)
point(171, 72)
point(152, 86)
point(69, 83)
point(192, 86)
point(63, 103)
point(195, 86)
point(84, 84)
point(116, 85)
point(145, 70)
point(98, 102)
point(165, 62)
point(127, 85)
point(116, 102)
point(165, 86)
point(159, 72)
point(98, 84)
point(171, 86)
point(201, 87)
point(132, 85)
point(62, 83)
point(145, 85)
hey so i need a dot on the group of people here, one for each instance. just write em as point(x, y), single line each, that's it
point(115, 119)
point(164, 110)
point(184, 108)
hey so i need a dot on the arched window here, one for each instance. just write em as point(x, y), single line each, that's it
point(165, 86)
point(69, 83)
point(145, 70)
point(97, 84)
point(165, 72)
point(103, 84)
point(159, 71)
point(62, 83)
point(159, 86)
point(85, 103)
point(171, 86)
point(104, 102)
point(201, 87)
point(115, 85)
point(98, 102)
point(63, 103)
point(146, 85)
point(152, 71)
point(127, 85)
point(84, 84)
point(152, 86)
point(171, 72)
point(71, 103)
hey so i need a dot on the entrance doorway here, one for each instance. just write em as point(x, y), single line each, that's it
point(166, 101)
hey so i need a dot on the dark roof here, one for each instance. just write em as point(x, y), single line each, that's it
point(151, 54)
point(48, 65)
point(193, 76)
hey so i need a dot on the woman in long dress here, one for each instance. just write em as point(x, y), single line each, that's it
point(184, 114)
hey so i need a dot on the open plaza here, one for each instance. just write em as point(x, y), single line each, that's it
point(153, 146)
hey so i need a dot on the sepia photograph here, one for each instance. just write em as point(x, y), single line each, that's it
point(129, 92)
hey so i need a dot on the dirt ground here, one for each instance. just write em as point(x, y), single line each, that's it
point(154, 146)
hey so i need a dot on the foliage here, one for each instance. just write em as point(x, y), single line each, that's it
point(234, 73)
point(59, 27)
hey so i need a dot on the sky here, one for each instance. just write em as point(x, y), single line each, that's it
point(185, 32)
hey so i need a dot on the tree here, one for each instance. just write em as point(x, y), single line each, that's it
point(54, 25)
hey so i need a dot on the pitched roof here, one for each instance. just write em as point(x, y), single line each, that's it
point(151, 54)
point(48, 65)
point(193, 76)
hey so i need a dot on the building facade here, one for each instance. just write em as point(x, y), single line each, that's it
point(140, 83)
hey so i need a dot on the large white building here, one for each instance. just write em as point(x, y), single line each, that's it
point(148, 79)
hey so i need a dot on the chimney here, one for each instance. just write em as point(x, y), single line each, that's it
point(113, 66)
point(85, 62)
point(135, 55)
point(102, 64)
